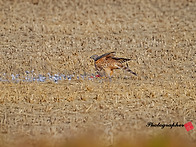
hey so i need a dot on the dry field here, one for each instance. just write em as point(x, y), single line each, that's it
point(59, 37)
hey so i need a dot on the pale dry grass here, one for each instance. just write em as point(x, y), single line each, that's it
point(60, 36)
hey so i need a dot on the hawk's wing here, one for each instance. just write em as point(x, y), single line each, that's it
point(111, 54)
point(121, 60)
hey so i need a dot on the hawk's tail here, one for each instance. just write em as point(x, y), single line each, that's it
point(127, 69)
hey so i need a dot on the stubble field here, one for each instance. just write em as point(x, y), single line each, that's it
point(58, 37)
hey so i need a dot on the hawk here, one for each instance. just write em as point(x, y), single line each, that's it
point(108, 62)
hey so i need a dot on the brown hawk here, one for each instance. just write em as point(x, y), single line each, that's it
point(108, 62)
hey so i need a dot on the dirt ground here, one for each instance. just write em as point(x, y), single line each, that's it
point(60, 36)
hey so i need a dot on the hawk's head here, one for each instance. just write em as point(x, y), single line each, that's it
point(94, 57)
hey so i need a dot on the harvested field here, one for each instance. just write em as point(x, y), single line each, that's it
point(58, 37)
